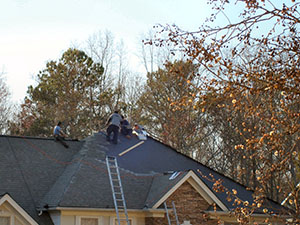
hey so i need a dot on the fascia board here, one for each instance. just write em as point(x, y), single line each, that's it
point(100, 209)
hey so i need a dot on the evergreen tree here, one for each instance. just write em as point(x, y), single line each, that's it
point(71, 90)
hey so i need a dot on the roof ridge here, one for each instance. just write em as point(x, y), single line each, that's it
point(33, 137)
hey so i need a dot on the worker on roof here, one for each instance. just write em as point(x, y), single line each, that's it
point(140, 132)
point(59, 135)
point(125, 127)
point(137, 128)
point(114, 122)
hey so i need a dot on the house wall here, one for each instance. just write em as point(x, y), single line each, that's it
point(72, 217)
point(189, 207)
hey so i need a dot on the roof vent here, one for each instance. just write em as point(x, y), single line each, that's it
point(174, 175)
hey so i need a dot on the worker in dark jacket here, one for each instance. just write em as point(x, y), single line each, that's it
point(125, 127)
point(114, 122)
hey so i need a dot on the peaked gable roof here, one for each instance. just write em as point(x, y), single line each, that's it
point(170, 185)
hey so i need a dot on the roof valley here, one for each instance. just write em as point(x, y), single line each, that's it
point(57, 191)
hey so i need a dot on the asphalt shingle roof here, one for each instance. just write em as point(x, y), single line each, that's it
point(39, 173)
point(153, 156)
point(29, 166)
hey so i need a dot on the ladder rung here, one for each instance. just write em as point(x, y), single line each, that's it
point(111, 159)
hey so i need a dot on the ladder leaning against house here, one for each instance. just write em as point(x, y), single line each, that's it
point(117, 189)
point(174, 212)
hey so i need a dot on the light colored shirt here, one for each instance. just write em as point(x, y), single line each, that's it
point(115, 119)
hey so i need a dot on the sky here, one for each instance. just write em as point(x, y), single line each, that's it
point(36, 31)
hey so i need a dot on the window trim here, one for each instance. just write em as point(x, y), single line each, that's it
point(78, 219)
point(11, 218)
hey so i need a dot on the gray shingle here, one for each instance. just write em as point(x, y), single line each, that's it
point(29, 167)
point(38, 172)
point(153, 156)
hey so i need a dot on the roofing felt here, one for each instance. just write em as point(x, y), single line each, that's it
point(29, 166)
point(153, 156)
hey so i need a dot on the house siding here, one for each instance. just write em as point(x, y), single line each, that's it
point(189, 207)
point(6, 210)
point(105, 218)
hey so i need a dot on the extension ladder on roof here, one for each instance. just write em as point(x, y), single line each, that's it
point(174, 212)
point(117, 190)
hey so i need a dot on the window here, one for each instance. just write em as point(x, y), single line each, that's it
point(88, 220)
point(122, 222)
point(4, 220)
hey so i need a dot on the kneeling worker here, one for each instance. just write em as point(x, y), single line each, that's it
point(59, 135)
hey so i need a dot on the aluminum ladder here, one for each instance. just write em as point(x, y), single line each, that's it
point(117, 190)
point(174, 212)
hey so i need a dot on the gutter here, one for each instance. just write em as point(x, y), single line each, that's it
point(101, 209)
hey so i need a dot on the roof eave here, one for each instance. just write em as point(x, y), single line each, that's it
point(101, 209)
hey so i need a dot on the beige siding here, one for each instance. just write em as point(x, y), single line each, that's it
point(73, 217)
point(68, 220)
point(105, 220)
point(7, 210)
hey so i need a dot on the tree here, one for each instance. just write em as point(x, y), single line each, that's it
point(175, 127)
point(113, 57)
point(101, 48)
point(263, 91)
point(5, 105)
point(71, 90)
